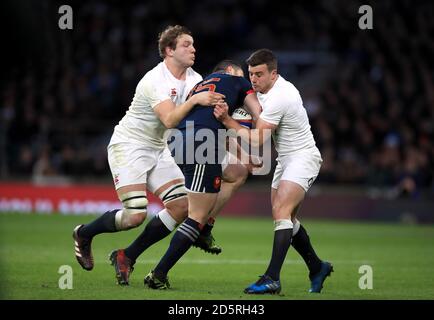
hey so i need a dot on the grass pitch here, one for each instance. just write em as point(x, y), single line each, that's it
point(34, 247)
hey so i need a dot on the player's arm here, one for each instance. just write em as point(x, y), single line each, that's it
point(253, 107)
point(256, 137)
point(170, 114)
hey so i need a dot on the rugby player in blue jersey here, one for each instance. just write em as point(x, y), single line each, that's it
point(203, 170)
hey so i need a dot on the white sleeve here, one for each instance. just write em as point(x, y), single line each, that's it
point(154, 96)
point(274, 110)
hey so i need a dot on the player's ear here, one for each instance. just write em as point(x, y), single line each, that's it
point(274, 74)
point(169, 51)
point(229, 70)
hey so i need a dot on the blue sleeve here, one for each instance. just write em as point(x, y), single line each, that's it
point(245, 89)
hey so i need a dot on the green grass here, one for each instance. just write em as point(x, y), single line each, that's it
point(33, 247)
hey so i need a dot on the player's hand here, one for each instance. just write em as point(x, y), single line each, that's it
point(208, 98)
point(255, 162)
point(221, 111)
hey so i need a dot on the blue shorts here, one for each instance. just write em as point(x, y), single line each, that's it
point(202, 178)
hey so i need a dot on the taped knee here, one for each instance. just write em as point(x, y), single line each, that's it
point(178, 209)
point(296, 226)
point(134, 211)
point(174, 192)
point(282, 224)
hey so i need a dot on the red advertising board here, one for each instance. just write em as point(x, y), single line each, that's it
point(72, 199)
point(97, 199)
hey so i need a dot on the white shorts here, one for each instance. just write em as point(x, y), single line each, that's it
point(301, 168)
point(135, 164)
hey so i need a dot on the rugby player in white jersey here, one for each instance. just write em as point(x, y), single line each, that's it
point(139, 158)
point(298, 165)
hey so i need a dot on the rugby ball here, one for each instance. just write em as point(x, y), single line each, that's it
point(242, 117)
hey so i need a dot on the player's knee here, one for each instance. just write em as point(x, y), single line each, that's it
point(178, 209)
point(282, 210)
point(236, 175)
point(134, 211)
point(296, 225)
point(135, 220)
point(173, 193)
point(175, 200)
point(282, 224)
point(241, 178)
point(126, 220)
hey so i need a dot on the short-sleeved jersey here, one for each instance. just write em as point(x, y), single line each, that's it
point(234, 88)
point(140, 124)
point(282, 106)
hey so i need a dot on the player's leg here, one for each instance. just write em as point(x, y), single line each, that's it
point(188, 231)
point(286, 198)
point(234, 176)
point(159, 227)
point(168, 195)
point(203, 184)
point(302, 244)
point(163, 223)
point(133, 214)
point(307, 173)
point(235, 173)
point(319, 270)
point(301, 241)
point(166, 181)
point(130, 174)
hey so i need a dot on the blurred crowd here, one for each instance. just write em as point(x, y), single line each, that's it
point(373, 119)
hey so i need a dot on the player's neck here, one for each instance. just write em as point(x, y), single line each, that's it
point(178, 71)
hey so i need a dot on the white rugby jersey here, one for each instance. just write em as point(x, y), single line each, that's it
point(140, 124)
point(282, 106)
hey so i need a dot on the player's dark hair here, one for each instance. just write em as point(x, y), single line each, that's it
point(263, 56)
point(223, 65)
point(168, 38)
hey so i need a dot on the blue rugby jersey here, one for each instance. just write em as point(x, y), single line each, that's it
point(234, 88)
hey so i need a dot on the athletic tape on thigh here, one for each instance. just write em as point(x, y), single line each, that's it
point(173, 192)
point(281, 224)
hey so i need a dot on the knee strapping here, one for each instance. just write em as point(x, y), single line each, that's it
point(167, 219)
point(173, 192)
point(281, 224)
point(134, 202)
point(296, 227)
